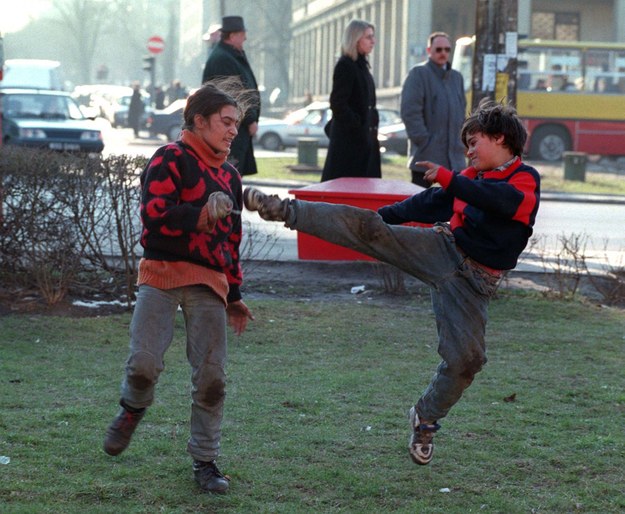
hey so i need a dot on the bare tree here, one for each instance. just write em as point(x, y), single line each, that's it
point(83, 23)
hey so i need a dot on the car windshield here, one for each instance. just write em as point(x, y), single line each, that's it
point(40, 106)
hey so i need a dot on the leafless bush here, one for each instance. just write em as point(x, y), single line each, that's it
point(65, 216)
point(104, 205)
point(565, 268)
point(38, 244)
point(256, 246)
point(568, 267)
point(609, 282)
point(392, 278)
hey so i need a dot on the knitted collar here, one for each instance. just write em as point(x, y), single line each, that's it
point(503, 167)
point(205, 152)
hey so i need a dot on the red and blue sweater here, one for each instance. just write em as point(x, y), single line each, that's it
point(176, 184)
point(491, 215)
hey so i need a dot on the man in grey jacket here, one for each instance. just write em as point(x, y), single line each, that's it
point(433, 108)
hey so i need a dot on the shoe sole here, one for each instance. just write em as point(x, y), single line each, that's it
point(421, 461)
point(248, 199)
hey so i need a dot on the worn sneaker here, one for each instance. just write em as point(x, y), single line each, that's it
point(421, 447)
point(120, 431)
point(209, 478)
point(269, 207)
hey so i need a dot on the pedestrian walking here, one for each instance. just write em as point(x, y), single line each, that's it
point(159, 98)
point(354, 150)
point(228, 59)
point(136, 108)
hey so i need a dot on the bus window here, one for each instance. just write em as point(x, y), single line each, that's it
point(570, 94)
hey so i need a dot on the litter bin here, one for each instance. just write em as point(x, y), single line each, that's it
point(575, 166)
point(307, 151)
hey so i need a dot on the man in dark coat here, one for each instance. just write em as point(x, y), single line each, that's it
point(136, 109)
point(228, 59)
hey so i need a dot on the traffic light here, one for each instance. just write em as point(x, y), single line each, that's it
point(1, 57)
point(148, 63)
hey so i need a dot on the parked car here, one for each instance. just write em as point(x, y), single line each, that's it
point(167, 121)
point(275, 134)
point(393, 138)
point(47, 119)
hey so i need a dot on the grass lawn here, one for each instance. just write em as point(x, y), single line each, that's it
point(316, 414)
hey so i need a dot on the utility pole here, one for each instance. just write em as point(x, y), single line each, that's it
point(495, 55)
point(1, 108)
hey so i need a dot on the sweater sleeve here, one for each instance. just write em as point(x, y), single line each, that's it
point(428, 206)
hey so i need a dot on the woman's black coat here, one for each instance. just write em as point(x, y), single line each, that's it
point(354, 150)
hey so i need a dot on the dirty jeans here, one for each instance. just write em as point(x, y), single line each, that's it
point(151, 334)
point(460, 290)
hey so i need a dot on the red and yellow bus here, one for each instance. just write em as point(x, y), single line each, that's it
point(570, 95)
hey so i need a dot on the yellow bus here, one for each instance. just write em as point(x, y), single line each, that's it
point(570, 95)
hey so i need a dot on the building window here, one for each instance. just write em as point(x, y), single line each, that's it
point(562, 26)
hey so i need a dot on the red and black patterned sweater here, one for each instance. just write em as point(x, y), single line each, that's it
point(176, 184)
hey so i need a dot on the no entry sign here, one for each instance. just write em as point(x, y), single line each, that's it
point(156, 44)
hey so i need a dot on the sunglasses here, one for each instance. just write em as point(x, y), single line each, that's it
point(442, 49)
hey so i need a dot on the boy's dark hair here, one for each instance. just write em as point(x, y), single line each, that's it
point(495, 119)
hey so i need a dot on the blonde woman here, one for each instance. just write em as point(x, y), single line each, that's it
point(354, 150)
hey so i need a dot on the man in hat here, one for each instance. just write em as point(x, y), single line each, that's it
point(229, 59)
point(211, 37)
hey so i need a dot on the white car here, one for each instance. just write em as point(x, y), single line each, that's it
point(275, 134)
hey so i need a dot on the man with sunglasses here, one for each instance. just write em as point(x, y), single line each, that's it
point(433, 107)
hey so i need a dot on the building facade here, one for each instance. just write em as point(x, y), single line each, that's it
point(402, 27)
point(293, 44)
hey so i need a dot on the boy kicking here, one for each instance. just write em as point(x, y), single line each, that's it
point(482, 220)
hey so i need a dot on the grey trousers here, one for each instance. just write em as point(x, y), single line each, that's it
point(460, 290)
point(151, 334)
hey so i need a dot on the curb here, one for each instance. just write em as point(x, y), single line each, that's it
point(582, 198)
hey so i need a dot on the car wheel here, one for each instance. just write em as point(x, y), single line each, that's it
point(549, 142)
point(271, 141)
point(173, 134)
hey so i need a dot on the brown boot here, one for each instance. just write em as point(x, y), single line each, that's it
point(120, 431)
point(209, 478)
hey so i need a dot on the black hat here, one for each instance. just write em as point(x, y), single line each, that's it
point(232, 24)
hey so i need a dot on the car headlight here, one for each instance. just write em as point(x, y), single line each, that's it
point(32, 133)
point(90, 135)
point(382, 137)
